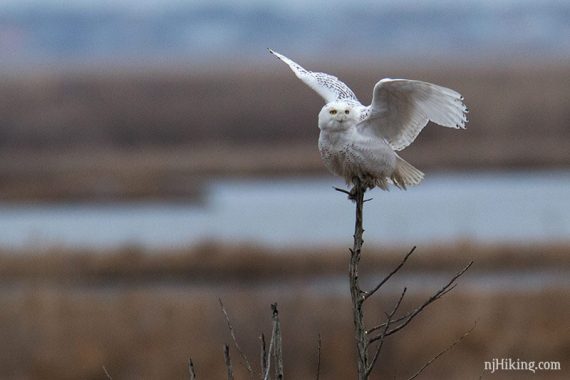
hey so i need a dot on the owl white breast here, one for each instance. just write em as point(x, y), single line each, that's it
point(347, 152)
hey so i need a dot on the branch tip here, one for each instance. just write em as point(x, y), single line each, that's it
point(191, 369)
point(444, 351)
point(107, 374)
point(246, 362)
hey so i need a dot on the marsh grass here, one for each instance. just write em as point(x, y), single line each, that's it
point(141, 331)
point(211, 261)
point(65, 313)
point(160, 134)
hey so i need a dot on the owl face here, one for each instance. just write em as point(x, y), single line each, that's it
point(337, 115)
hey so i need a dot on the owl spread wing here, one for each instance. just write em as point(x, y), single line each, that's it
point(327, 86)
point(401, 108)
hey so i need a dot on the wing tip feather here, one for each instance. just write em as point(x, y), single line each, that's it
point(275, 54)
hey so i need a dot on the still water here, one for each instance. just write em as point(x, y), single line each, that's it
point(479, 206)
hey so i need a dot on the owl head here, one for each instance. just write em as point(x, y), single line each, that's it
point(337, 115)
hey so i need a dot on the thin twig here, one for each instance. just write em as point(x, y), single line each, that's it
point(319, 357)
point(407, 315)
point(383, 336)
point(444, 290)
point(399, 319)
point(271, 344)
point(343, 191)
point(191, 369)
point(429, 362)
point(232, 333)
point(228, 362)
point(277, 349)
point(107, 373)
point(375, 289)
point(403, 317)
point(263, 359)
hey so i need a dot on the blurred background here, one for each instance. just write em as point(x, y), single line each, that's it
point(155, 157)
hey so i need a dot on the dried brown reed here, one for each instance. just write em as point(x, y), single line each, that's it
point(159, 134)
point(250, 263)
point(66, 313)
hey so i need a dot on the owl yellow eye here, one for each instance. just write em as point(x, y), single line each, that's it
point(346, 112)
point(332, 112)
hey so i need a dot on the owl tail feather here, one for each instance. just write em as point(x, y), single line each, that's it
point(405, 174)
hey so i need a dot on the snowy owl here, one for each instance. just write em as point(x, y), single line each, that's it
point(358, 141)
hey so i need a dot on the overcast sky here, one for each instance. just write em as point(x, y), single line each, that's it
point(155, 28)
point(160, 4)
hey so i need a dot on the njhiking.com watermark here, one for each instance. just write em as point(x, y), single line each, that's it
point(508, 364)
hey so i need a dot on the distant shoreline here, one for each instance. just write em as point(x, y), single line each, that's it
point(179, 174)
point(158, 134)
point(216, 262)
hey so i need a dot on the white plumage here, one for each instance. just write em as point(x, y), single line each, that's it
point(360, 141)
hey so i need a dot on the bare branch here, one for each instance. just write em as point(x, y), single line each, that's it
point(409, 313)
point(228, 362)
point(357, 295)
point(445, 289)
point(343, 191)
point(191, 369)
point(232, 333)
point(319, 357)
point(271, 343)
point(399, 319)
point(371, 293)
point(429, 362)
point(277, 349)
point(263, 359)
point(275, 346)
point(107, 373)
point(383, 335)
